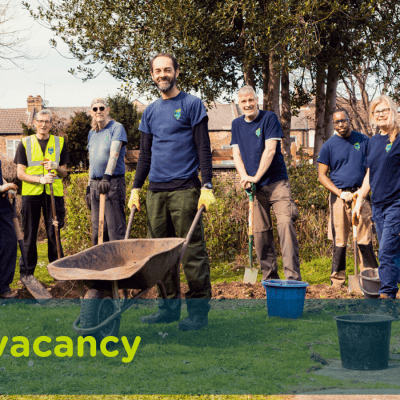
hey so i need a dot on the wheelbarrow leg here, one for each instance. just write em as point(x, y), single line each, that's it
point(116, 295)
point(81, 291)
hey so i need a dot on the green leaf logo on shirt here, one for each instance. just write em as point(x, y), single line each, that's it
point(388, 147)
point(177, 113)
point(357, 146)
point(106, 139)
point(258, 132)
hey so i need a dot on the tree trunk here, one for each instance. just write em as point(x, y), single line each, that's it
point(330, 105)
point(273, 85)
point(319, 111)
point(361, 80)
point(249, 78)
point(265, 77)
point(285, 116)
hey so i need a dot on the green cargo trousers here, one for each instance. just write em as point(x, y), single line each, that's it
point(170, 214)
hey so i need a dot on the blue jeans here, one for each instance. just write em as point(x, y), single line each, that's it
point(387, 222)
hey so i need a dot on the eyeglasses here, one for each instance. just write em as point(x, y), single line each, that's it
point(43, 122)
point(384, 111)
point(98, 108)
point(341, 121)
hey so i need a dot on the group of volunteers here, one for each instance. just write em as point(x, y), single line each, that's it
point(174, 145)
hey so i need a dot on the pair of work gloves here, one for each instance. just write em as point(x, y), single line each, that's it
point(104, 187)
point(348, 197)
point(206, 198)
point(9, 189)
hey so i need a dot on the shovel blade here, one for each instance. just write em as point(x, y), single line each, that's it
point(36, 289)
point(250, 275)
point(354, 285)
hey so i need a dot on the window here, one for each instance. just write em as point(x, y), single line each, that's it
point(293, 139)
point(12, 145)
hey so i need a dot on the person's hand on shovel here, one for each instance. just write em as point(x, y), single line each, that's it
point(347, 197)
point(357, 206)
point(49, 165)
point(47, 179)
point(11, 188)
point(134, 200)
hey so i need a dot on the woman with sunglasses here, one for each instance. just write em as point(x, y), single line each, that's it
point(106, 144)
point(383, 179)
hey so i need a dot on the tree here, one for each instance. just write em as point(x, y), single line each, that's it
point(125, 112)
point(13, 49)
point(77, 134)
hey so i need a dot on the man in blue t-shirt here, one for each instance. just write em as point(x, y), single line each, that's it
point(106, 144)
point(256, 147)
point(343, 156)
point(174, 144)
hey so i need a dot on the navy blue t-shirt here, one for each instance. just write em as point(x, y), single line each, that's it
point(345, 158)
point(99, 145)
point(4, 204)
point(173, 151)
point(251, 137)
point(383, 160)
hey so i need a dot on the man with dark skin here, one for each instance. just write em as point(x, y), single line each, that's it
point(343, 157)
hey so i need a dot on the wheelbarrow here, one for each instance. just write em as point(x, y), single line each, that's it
point(122, 264)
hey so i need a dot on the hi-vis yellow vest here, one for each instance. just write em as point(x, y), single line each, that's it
point(35, 156)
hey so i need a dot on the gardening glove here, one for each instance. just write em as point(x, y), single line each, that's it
point(347, 197)
point(88, 200)
point(134, 199)
point(49, 165)
point(206, 198)
point(357, 210)
point(48, 178)
point(105, 185)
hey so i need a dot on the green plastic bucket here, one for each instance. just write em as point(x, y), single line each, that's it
point(364, 340)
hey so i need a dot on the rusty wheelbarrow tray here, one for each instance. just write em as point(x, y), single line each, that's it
point(123, 264)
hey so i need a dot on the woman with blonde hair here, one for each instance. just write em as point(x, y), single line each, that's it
point(383, 179)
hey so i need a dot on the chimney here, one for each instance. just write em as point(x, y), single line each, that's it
point(34, 106)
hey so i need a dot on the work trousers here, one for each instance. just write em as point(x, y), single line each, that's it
point(32, 207)
point(170, 214)
point(8, 251)
point(387, 222)
point(340, 226)
point(278, 196)
point(114, 212)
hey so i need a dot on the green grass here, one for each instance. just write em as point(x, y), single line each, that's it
point(241, 351)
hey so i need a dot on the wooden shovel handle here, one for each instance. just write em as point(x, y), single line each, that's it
point(101, 217)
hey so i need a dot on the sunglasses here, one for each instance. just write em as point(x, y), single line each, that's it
point(98, 108)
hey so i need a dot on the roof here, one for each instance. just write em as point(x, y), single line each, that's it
point(67, 112)
point(304, 120)
point(220, 117)
point(10, 120)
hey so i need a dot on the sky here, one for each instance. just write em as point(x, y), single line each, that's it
point(62, 89)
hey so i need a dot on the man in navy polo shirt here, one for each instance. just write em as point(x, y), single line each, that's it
point(256, 147)
point(174, 144)
point(343, 155)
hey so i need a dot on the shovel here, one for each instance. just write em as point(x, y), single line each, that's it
point(354, 283)
point(250, 273)
point(55, 222)
point(37, 290)
point(101, 218)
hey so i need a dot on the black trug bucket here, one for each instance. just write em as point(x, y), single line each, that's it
point(370, 283)
point(364, 340)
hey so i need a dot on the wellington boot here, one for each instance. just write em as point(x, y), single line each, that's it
point(162, 316)
point(193, 322)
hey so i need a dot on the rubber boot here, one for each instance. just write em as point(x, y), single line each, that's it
point(165, 314)
point(193, 322)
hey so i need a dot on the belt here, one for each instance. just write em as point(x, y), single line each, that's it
point(352, 190)
point(99, 179)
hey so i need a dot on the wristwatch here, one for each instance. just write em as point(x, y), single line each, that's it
point(207, 185)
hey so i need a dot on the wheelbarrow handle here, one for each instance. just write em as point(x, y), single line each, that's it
point(130, 221)
point(190, 233)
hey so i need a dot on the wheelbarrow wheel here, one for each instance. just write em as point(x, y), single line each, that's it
point(96, 308)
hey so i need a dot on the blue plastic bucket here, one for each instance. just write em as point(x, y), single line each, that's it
point(285, 298)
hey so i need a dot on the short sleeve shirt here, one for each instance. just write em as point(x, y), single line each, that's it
point(99, 145)
point(345, 158)
point(173, 152)
point(251, 137)
point(383, 161)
